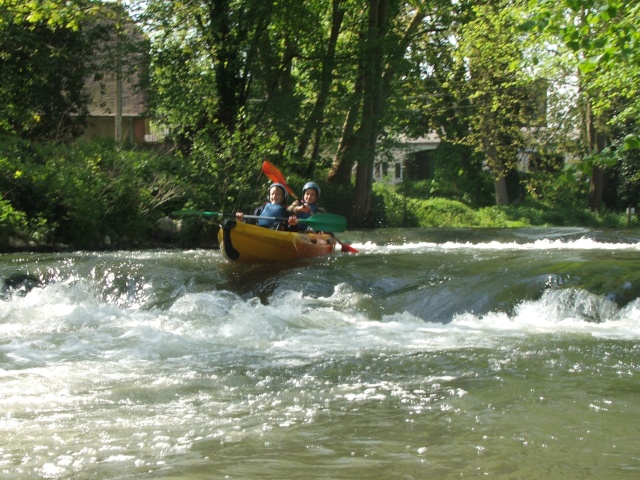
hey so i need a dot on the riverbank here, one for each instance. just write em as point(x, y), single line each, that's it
point(166, 233)
point(196, 232)
point(401, 211)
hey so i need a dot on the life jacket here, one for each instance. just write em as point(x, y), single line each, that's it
point(272, 210)
point(302, 215)
point(312, 206)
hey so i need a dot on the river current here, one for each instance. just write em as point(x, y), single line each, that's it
point(430, 354)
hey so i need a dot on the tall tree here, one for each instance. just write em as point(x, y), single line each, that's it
point(222, 67)
point(236, 81)
point(496, 89)
point(314, 123)
point(372, 102)
point(604, 37)
point(203, 57)
point(385, 39)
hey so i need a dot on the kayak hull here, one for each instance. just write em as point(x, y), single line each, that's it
point(247, 243)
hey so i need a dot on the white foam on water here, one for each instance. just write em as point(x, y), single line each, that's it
point(581, 244)
point(102, 385)
point(69, 321)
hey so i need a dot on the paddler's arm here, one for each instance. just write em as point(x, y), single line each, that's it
point(298, 206)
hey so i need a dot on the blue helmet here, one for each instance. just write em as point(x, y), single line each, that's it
point(312, 185)
point(280, 186)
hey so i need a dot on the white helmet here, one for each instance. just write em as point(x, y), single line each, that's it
point(312, 185)
point(280, 186)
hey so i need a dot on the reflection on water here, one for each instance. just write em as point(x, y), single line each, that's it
point(431, 354)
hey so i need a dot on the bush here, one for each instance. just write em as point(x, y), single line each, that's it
point(458, 174)
point(437, 212)
point(12, 222)
point(78, 194)
point(395, 210)
point(391, 209)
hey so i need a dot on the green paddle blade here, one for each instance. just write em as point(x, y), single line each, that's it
point(326, 222)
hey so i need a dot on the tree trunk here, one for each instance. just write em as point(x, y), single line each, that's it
point(371, 109)
point(377, 71)
point(596, 145)
point(499, 173)
point(344, 160)
point(500, 187)
point(230, 59)
point(595, 188)
point(315, 120)
point(496, 165)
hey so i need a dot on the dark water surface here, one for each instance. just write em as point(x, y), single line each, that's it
point(431, 354)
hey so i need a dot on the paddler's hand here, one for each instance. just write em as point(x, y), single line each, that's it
point(240, 217)
point(293, 220)
point(302, 208)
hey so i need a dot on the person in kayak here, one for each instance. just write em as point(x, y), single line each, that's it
point(308, 206)
point(275, 207)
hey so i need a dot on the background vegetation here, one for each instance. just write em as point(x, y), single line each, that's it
point(324, 89)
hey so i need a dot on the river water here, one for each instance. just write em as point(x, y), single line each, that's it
point(430, 354)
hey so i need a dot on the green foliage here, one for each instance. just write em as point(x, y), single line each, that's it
point(335, 198)
point(458, 174)
point(403, 211)
point(631, 142)
point(42, 73)
point(560, 188)
point(51, 53)
point(498, 88)
point(55, 14)
point(437, 212)
point(219, 67)
point(399, 211)
point(226, 174)
point(600, 40)
point(80, 194)
point(628, 186)
point(12, 223)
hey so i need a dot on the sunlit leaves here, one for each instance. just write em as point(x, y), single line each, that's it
point(54, 13)
point(497, 87)
point(631, 142)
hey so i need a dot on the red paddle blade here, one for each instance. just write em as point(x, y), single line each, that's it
point(276, 176)
point(347, 248)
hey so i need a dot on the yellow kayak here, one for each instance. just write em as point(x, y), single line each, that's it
point(247, 243)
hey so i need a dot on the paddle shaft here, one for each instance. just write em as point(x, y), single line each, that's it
point(321, 221)
point(222, 214)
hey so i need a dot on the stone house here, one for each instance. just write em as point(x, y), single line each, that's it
point(394, 167)
point(118, 106)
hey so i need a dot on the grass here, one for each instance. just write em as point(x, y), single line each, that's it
point(400, 211)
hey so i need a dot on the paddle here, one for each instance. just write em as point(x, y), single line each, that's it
point(276, 176)
point(325, 222)
point(345, 247)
